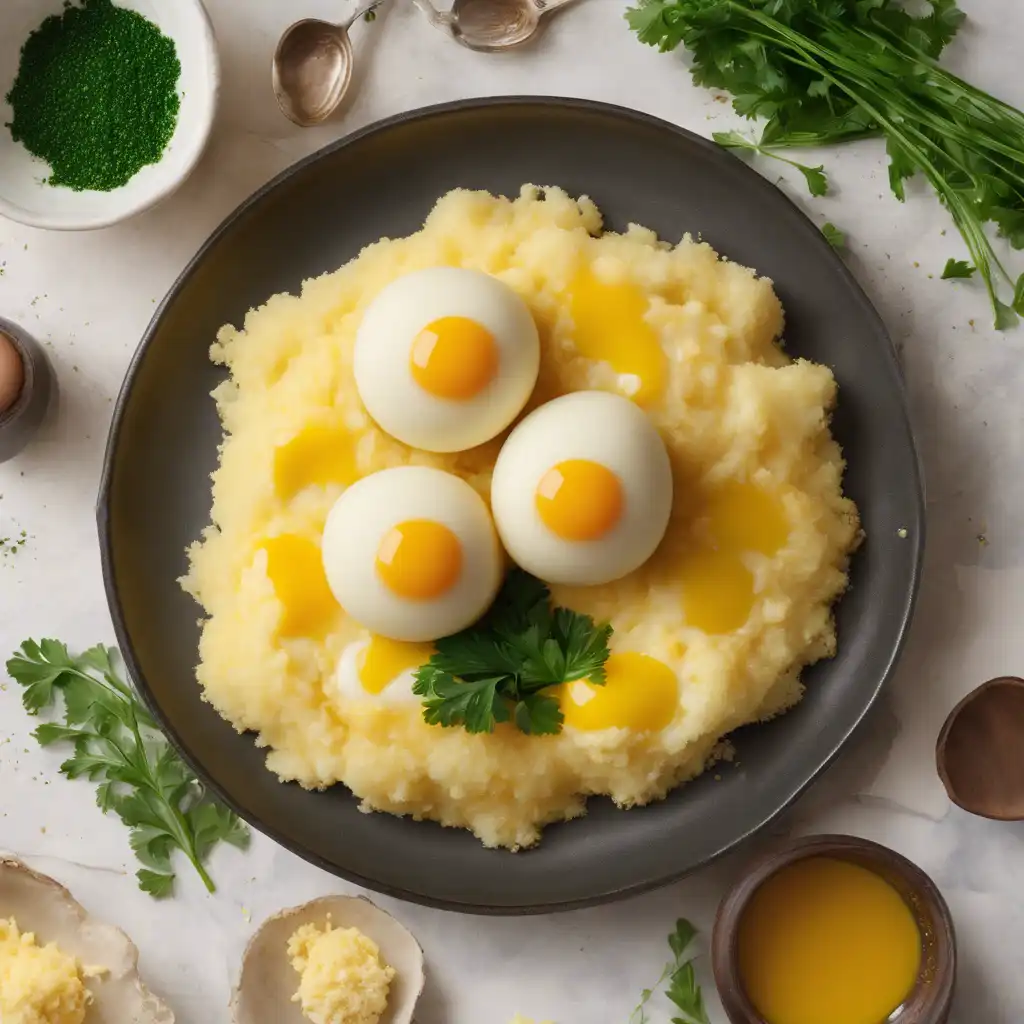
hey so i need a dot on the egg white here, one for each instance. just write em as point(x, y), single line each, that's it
point(603, 428)
point(371, 507)
point(384, 339)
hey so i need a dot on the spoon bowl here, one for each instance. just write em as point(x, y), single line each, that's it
point(979, 753)
point(491, 26)
point(312, 68)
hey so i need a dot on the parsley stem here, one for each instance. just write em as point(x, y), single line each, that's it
point(804, 52)
point(170, 813)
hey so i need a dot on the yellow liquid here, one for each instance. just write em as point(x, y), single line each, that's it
point(825, 941)
point(639, 693)
point(747, 518)
point(718, 589)
point(296, 570)
point(610, 328)
point(383, 660)
point(319, 455)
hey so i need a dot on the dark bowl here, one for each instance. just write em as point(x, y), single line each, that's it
point(931, 998)
point(155, 493)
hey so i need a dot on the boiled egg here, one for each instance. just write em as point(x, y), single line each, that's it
point(582, 489)
point(380, 669)
point(411, 553)
point(446, 358)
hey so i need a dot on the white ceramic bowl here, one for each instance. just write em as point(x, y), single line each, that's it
point(23, 195)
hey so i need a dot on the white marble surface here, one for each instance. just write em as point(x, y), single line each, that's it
point(89, 298)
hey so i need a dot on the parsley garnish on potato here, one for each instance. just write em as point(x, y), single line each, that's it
point(499, 669)
point(828, 71)
point(117, 744)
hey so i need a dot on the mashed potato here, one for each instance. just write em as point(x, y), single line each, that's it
point(39, 984)
point(342, 978)
point(754, 465)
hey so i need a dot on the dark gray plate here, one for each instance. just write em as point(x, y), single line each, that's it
point(155, 495)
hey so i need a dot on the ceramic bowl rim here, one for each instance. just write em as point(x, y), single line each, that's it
point(207, 41)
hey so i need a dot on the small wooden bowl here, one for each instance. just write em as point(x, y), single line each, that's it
point(932, 996)
point(980, 751)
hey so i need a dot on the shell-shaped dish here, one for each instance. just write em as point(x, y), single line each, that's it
point(267, 981)
point(40, 905)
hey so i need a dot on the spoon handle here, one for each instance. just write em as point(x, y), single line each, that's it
point(363, 11)
point(437, 18)
point(547, 6)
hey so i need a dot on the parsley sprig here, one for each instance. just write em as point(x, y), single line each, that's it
point(828, 71)
point(498, 669)
point(817, 180)
point(117, 744)
point(680, 980)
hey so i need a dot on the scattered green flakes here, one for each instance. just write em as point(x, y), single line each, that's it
point(833, 235)
point(10, 546)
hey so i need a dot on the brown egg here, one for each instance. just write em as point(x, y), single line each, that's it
point(12, 374)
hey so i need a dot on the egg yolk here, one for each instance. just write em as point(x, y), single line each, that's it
point(319, 455)
point(382, 660)
point(718, 589)
point(639, 693)
point(454, 358)
point(419, 559)
point(610, 328)
point(296, 571)
point(580, 500)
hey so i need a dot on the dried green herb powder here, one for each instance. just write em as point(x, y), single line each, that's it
point(96, 95)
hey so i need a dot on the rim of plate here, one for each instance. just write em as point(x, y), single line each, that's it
point(916, 528)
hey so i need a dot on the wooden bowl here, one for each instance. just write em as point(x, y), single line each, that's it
point(932, 996)
point(979, 754)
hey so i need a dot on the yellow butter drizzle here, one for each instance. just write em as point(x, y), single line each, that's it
point(317, 456)
point(639, 693)
point(717, 587)
point(295, 569)
point(383, 660)
point(610, 328)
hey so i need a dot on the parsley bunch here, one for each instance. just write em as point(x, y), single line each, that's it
point(497, 670)
point(828, 71)
point(141, 778)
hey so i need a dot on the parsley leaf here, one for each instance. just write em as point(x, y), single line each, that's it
point(957, 268)
point(117, 744)
point(821, 72)
point(834, 237)
point(475, 704)
point(680, 979)
point(817, 182)
point(496, 671)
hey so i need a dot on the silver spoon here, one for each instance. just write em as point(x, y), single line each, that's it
point(491, 25)
point(313, 67)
